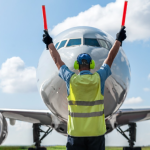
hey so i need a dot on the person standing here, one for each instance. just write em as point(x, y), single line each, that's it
point(86, 119)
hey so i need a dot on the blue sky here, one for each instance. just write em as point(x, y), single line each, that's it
point(21, 29)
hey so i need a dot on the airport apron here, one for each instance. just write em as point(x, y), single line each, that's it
point(86, 106)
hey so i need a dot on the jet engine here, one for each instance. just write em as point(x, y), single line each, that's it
point(3, 129)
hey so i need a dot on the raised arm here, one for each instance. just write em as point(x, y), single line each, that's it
point(115, 48)
point(54, 53)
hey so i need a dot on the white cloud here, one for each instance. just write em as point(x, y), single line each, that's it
point(149, 76)
point(133, 100)
point(146, 89)
point(15, 77)
point(109, 19)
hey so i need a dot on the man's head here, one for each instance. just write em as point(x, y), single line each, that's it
point(84, 62)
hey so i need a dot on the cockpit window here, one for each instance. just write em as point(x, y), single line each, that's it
point(91, 42)
point(109, 45)
point(62, 44)
point(103, 44)
point(73, 42)
point(56, 45)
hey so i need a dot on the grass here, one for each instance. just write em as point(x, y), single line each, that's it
point(58, 148)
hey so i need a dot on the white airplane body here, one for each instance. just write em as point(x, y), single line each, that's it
point(52, 88)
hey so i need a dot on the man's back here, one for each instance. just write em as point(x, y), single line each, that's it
point(87, 85)
point(86, 106)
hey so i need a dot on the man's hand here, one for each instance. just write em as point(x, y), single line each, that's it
point(115, 48)
point(54, 53)
point(47, 39)
point(121, 36)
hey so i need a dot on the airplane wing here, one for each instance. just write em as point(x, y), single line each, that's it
point(126, 116)
point(31, 116)
point(36, 117)
point(43, 117)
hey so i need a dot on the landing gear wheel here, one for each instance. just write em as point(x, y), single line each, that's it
point(41, 148)
point(134, 148)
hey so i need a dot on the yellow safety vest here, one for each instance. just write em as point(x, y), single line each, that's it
point(86, 106)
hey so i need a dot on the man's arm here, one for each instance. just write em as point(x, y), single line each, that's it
point(54, 53)
point(114, 50)
point(112, 53)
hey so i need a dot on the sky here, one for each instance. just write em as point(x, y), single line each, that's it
point(21, 29)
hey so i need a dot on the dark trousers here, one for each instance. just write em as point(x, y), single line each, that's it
point(86, 143)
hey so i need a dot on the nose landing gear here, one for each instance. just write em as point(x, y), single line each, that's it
point(36, 136)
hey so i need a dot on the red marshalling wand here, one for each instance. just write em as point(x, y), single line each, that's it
point(44, 17)
point(124, 13)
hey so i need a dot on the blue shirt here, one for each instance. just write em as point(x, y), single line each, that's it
point(66, 74)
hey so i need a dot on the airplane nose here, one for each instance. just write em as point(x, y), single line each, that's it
point(69, 55)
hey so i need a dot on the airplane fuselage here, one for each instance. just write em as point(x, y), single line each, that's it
point(53, 89)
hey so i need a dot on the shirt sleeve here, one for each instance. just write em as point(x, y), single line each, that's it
point(65, 73)
point(104, 73)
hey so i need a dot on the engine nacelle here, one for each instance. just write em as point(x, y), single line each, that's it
point(3, 129)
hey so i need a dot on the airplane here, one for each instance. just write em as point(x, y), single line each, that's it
point(70, 43)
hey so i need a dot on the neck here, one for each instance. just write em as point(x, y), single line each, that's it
point(82, 69)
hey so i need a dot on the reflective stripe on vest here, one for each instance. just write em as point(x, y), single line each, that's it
point(84, 103)
point(86, 106)
point(93, 114)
